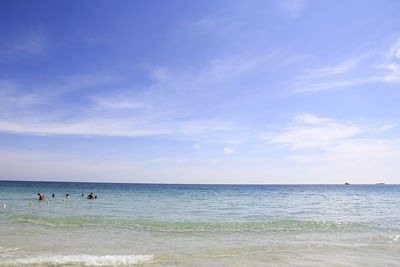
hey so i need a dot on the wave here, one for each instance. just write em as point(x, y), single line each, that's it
point(83, 260)
point(182, 227)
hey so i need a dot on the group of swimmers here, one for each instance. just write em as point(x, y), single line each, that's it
point(90, 196)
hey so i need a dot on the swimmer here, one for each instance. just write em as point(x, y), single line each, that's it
point(53, 195)
point(95, 197)
point(4, 206)
point(67, 195)
point(83, 194)
point(90, 196)
point(41, 196)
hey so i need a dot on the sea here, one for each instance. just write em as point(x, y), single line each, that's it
point(198, 225)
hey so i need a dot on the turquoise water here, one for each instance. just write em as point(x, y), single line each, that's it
point(199, 225)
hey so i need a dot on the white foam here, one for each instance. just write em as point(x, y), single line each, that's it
point(7, 249)
point(7, 252)
point(86, 260)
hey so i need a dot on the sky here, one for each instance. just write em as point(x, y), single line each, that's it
point(264, 92)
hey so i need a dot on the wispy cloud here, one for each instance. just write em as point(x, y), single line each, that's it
point(19, 46)
point(369, 67)
point(221, 69)
point(79, 82)
point(333, 84)
point(392, 64)
point(122, 113)
point(117, 103)
point(19, 100)
point(33, 42)
point(87, 127)
point(14, 99)
point(342, 67)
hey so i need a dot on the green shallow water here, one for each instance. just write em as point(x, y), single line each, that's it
point(181, 227)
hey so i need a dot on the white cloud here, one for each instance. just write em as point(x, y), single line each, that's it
point(113, 125)
point(387, 127)
point(364, 160)
point(310, 119)
point(104, 127)
point(391, 65)
point(394, 75)
point(310, 132)
point(326, 149)
point(395, 50)
point(229, 150)
point(110, 116)
point(196, 146)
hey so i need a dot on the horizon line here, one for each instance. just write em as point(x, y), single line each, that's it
point(155, 183)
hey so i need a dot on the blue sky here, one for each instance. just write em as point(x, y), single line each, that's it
point(289, 91)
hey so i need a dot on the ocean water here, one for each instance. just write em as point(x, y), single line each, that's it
point(199, 225)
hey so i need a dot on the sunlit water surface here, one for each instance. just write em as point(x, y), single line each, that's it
point(199, 225)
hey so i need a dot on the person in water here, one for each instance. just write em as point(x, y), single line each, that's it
point(41, 196)
point(95, 197)
point(83, 194)
point(67, 195)
point(90, 196)
point(53, 195)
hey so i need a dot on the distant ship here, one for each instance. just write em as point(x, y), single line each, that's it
point(347, 183)
point(380, 183)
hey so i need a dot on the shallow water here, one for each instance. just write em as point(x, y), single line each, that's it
point(199, 225)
